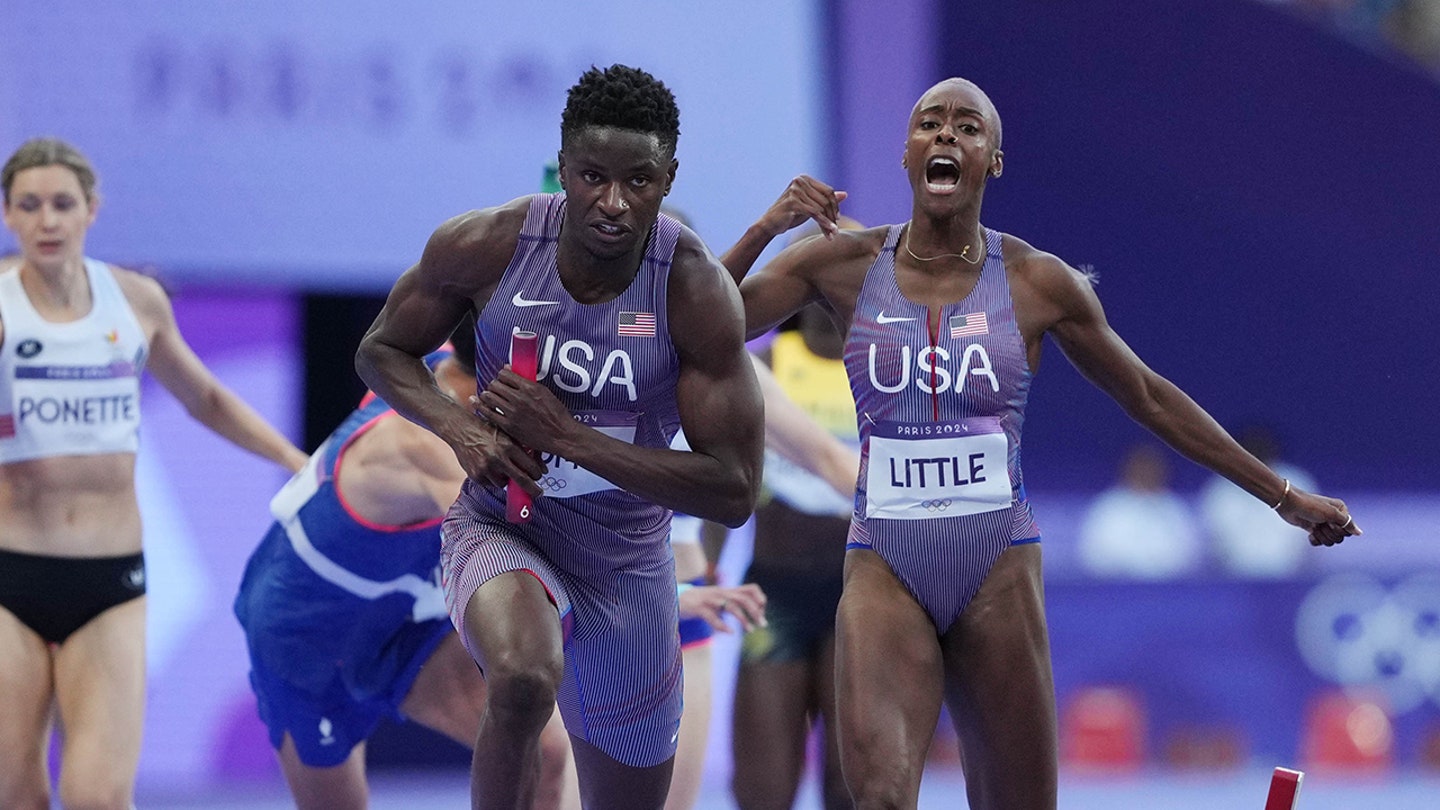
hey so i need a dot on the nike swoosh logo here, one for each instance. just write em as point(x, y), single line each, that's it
point(521, 301)
point(883, 318)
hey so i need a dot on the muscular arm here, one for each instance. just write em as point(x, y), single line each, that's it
point(175, 365)
point(1078, 325)
point(1092, 346)
point(719, 398)
point(462, 263)
point(805, 198)
point(784, 285)
point(717, 395)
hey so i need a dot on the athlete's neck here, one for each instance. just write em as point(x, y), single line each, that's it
point(56, 288)
point(593, 280)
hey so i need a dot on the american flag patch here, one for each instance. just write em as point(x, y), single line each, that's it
point(7, 426)
point(966, 325)
point(637, 324)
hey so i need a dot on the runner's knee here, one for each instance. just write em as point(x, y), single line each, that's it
point(523, 689)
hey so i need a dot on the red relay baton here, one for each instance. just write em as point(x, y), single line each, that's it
point(1284, 789)
point(525, 361)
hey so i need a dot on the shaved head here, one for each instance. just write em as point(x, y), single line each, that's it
point(955, 83)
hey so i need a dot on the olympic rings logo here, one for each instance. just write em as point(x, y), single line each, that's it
point(937, 505)
point(1356, 632)
point(550, 482)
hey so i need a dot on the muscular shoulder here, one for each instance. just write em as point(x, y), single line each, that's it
point(478, 240)
point(702, 301)
point(1030, 265)
point(844, 252)
point(694, 269)
point(1046, 289)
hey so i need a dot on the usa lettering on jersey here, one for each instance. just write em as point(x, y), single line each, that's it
point(573, 367)
point(930, 369)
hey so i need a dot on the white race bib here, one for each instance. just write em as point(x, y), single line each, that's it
point(564, 478)
point(920, 471)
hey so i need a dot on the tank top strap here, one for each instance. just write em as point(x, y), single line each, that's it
point(104, 287)
point(892, 238)
point(11, 291)
point(662, 245)
point(993, 242)
point(543, 216)
point(880, 286)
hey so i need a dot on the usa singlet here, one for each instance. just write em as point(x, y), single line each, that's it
point(600, 552)
point(939, 407)
point(70, 388)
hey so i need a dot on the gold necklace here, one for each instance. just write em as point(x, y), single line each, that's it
point(963, 254)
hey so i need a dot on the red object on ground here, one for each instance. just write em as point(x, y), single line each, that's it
point(1284, 789)
point(524, 360)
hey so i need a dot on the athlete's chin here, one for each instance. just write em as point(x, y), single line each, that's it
point(940, 205)
point(610, 250)
point(50, 253)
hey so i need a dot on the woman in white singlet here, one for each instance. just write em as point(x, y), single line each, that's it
point(75, 334)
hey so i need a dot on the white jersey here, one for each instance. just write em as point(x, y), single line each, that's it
point(69, 389)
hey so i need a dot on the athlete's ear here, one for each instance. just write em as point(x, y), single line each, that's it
point(997, 163)
point(560, 168)
point(670, 175)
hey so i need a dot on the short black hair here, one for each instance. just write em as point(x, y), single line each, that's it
point(625, 98)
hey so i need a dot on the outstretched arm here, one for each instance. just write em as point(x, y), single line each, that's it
point(205, 398)
point(1094, 348)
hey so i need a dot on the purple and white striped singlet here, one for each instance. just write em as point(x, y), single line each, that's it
point(939, 406)
point(601, 552)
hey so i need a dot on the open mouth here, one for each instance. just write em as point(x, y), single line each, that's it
point(942, 174)
point(610, 229)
